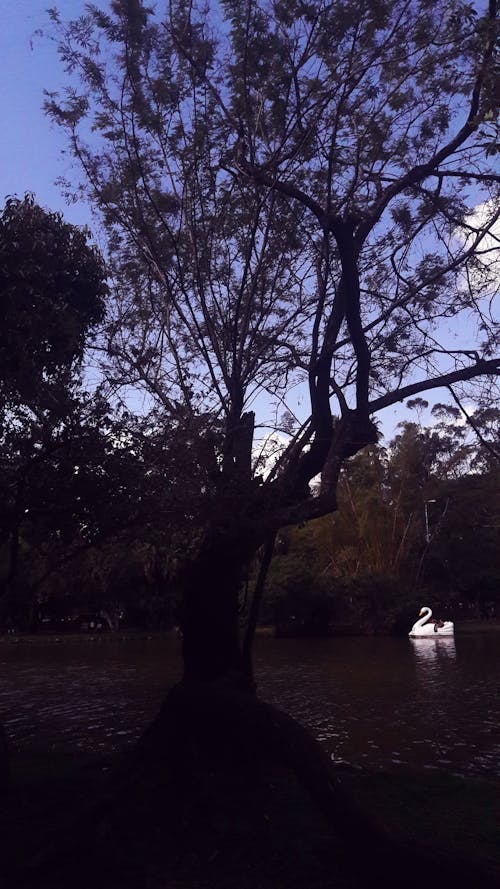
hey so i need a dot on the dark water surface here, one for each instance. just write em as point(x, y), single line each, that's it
point(382, 702)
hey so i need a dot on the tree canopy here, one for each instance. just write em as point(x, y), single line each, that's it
point(52, 292)
point(52, 286)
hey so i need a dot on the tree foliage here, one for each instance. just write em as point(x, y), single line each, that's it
point(52, 291)
point(52, 286)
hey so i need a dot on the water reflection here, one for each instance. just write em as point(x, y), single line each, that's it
point(431, 654)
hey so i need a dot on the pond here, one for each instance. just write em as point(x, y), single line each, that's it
point(379, 703)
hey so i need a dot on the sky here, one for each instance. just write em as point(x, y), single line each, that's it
point(30, 146)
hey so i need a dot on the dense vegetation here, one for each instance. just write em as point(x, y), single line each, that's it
point(106, 520)
point(417, 520)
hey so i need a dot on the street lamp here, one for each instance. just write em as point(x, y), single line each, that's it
point(427, 534)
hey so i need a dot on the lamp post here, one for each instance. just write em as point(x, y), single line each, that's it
point(427, 533)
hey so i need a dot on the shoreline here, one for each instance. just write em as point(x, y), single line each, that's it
point(465, 628)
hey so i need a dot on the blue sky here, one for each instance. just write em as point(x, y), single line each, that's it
point(30, 146)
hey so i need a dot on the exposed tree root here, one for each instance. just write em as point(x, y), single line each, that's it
point(215, 724)
point(205, 730)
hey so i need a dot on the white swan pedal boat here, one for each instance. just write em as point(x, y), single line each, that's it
point(427, 627)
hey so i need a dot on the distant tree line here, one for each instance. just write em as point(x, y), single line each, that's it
point(418, 521)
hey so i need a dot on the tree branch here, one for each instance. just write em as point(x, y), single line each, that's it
point(489, 447)
point(481, 368)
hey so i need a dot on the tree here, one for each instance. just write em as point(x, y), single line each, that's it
point(461, 560)
point(52, 291)
point(285, 208)
point(290, 192)
point(52, 286)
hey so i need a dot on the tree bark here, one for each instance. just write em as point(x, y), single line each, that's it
point(209, 618)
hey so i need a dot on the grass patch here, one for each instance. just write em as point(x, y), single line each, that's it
point(441, 810)
point(233, 833)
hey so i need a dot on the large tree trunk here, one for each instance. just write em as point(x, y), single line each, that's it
point(209, 620)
